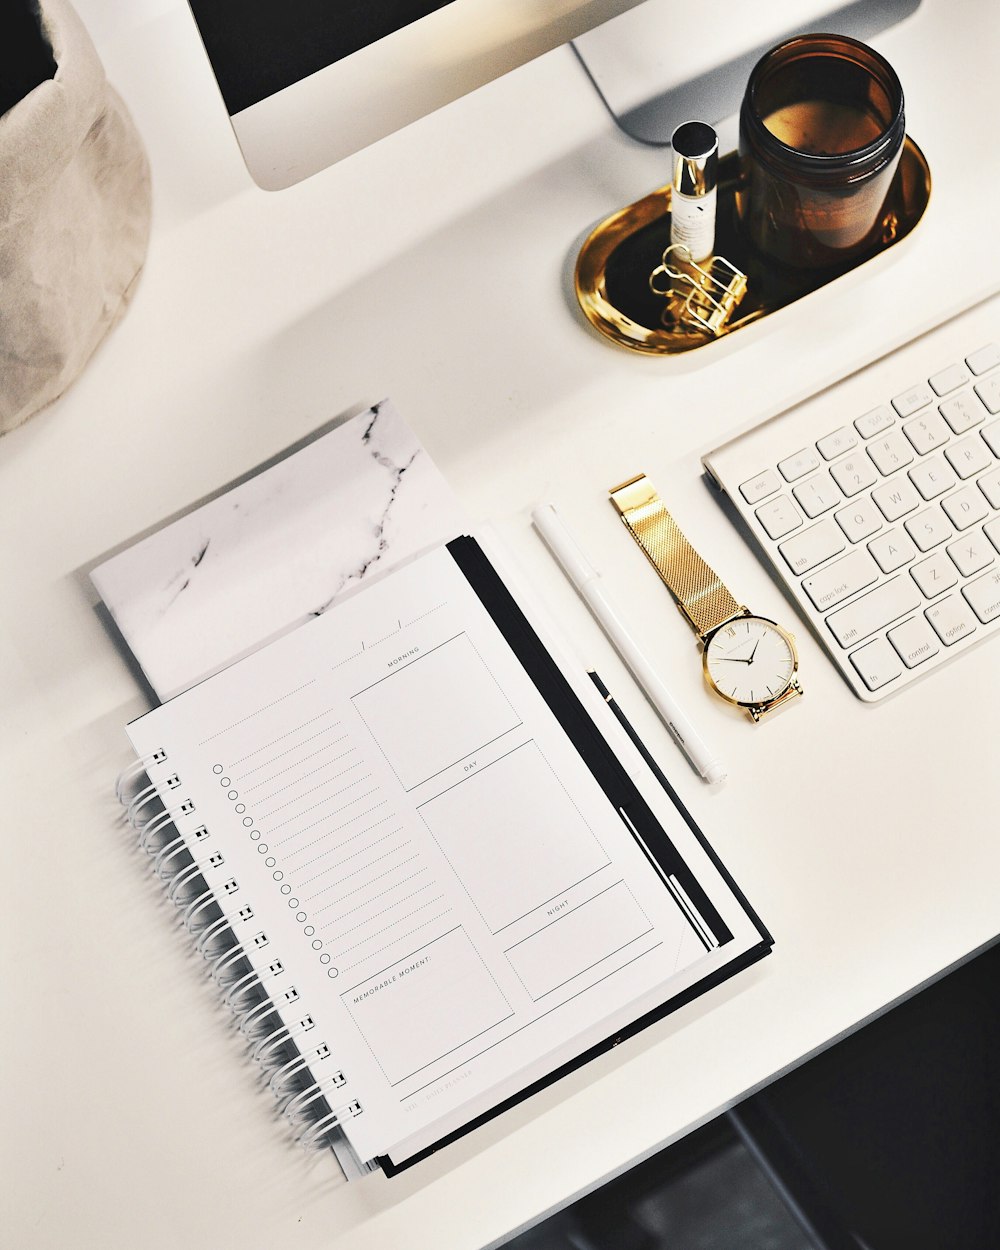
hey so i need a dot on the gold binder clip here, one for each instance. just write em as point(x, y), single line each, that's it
point(697, 298)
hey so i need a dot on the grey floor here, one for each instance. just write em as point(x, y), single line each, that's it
point(722, 1201)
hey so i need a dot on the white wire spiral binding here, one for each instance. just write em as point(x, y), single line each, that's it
point(277, 1037)
point(129, 774)
point(215, 928)
point(126, 776)
point(181, 878)
point(167, 852)
point(198, 904)
point(295, 1106)
point(258, 1013)
point(243, 986)
point(283, 1074)
point(148, 794)
point(312, 1138)
point(222, 962)
point(268, 1048)
point(154, 826)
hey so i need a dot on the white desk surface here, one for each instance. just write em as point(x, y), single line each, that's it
point(436, 268)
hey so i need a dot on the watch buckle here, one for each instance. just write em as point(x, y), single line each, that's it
point(758, 712)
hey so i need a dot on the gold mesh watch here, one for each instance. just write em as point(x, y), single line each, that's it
point(748, 660)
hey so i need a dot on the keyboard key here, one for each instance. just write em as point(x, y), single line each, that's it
point(814, 545)
point(972, 553)
point(841, 579)
point(949, 379)
point(989, 484)
point(963, 411)
point(877, 664)
point(874, 422)
point(968, 456)
point(779, 517)
point(984, 359)
point(837, 443)
point(873, 611)
point(860, 520)
point(928, 528)
point(965, 507)
point(932, 477)
point(926, 433)
point(983, 596)
point(891, 551)
point(896, 499)
point(799, 465)
point(951, 619)
point(989, 392)
point(759, 487)
point(917, 397)
point(935, 575)
point(817, 495)
point(915, 641)
point(992, 532)
point(991, 435)
point(854, 474)
point(891, 452)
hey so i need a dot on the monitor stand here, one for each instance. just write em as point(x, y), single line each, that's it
point(670, 61)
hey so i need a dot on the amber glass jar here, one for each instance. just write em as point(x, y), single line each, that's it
point(821, 131)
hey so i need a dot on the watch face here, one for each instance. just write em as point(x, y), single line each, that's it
point(750, 661)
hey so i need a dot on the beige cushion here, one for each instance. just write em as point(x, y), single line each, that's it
point(74, 220)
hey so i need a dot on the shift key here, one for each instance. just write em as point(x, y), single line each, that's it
point(872, 612)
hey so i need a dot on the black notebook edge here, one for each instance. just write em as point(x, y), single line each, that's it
point(566, 705)
point(689, 820)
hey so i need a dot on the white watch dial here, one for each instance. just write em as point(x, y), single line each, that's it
point(750, 660)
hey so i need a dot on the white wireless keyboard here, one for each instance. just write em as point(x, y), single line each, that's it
point(878, 503)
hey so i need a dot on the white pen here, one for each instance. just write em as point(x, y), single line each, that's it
point(587, 581)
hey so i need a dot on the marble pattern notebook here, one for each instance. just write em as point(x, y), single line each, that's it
point(277, 549)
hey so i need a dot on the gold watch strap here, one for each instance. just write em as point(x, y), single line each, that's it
point(700, 594)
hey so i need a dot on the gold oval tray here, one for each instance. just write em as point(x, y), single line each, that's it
point(614, 264)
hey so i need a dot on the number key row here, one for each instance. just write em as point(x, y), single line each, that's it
point(902, 495)
point(924, 434)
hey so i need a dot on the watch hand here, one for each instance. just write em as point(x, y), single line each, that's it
point(754, 651)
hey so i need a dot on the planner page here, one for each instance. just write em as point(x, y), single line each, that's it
point(395, 820)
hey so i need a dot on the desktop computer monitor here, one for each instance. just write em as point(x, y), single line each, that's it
point(310, 82)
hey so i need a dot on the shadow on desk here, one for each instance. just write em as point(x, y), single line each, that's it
point(890, 1140)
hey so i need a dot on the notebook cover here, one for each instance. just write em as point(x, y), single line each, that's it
point(276, 548)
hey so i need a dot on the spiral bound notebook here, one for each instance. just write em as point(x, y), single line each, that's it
point(430, 869)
